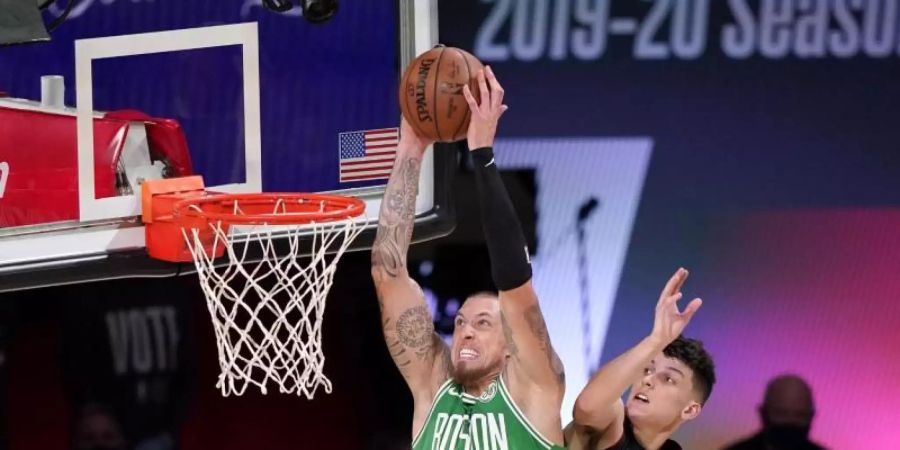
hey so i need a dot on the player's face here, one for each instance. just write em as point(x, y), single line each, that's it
point(479, 347)
point(663, 396)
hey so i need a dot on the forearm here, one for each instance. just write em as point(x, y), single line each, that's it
point(526, 332)
point(508, 250)
point(396, 216)
point(594, 407)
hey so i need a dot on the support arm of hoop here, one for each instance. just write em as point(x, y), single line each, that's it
point(163, 236)
point(157, 195)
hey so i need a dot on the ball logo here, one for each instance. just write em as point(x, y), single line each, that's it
point(421, 104)
point(452, 88)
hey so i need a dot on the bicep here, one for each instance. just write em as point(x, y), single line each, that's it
point(418, 352)
point(527, 337)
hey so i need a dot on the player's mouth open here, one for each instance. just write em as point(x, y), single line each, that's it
point(467, 354)
point(642, 398)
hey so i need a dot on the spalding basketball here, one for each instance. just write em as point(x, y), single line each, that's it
point(431, 93)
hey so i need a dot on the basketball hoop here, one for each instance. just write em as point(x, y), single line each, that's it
point(266, 306)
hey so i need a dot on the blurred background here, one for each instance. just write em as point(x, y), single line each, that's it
point(754, 142)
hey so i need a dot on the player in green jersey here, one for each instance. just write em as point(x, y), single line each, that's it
point(500, 385)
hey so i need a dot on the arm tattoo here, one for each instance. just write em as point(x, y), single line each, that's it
point(538, 327)
point(410, 333)
point(395, 220)
point(507, 332)
point(415, 331)
point(398, 351)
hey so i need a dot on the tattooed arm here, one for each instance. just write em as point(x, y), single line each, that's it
point(532, 357)
point(419, 353)
point(534, 372)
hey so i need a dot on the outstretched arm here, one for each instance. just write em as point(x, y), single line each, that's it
point(599, 409)
point(419, 353)
point(533, 359)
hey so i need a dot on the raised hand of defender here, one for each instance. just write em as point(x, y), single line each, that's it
point(483, 122)
point(669, 321)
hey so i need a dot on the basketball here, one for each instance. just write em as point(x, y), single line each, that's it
point(431, 93)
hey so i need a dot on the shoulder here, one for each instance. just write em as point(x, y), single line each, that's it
point(438, 390)
point(539, 411)
point(424, 406)
point(427, 400)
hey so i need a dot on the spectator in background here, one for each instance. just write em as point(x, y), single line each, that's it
point(787, 412)
point(125, 345)
point(97, 428)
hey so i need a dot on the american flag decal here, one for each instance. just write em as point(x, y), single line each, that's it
point(367, 154)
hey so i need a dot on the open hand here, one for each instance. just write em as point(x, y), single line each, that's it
point(669, 322)
point(483, 121)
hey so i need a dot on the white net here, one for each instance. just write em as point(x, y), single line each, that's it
point(267, 302)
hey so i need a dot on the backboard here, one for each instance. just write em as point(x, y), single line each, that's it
point(251, 99)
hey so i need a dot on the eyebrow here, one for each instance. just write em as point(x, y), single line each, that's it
point(483, 313)
point(675, 370)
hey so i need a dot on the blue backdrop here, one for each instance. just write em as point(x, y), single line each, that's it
point(315, 81)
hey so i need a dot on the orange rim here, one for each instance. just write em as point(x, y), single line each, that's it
point(294, 208)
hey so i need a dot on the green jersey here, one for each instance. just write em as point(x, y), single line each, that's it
point(459, 421)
